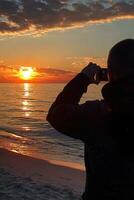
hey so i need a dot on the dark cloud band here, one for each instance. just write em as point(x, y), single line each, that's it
point(38, 16)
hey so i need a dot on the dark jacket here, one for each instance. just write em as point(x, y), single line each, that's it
point(109, 169)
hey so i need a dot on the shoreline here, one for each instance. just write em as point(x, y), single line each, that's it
point(11, 142)
point(40, 172)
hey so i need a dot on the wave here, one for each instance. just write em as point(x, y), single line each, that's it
point(45, 140)
point(6, 134)
point(13, 136)
point(7, 130)
point(35, 100)
point(20, 110)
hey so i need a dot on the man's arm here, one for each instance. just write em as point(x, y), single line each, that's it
point(67, 116)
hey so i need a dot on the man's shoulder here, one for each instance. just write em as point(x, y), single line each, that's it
point(95, 108)
point(98, 105)
point(96, 102)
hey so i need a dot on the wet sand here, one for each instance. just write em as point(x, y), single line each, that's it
point(24, 177)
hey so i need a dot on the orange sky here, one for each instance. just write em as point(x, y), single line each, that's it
point(40, 75)
point(58, 38)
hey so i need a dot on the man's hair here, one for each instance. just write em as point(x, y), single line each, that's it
point(121, 59)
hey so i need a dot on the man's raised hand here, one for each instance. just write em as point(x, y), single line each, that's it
point(92, 71)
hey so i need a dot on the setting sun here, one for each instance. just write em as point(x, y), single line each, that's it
point(26, 73)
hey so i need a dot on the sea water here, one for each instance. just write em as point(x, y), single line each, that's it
point(23, 125)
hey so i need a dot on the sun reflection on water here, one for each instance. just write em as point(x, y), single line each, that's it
point(26, 104)
point(27, 114)
point(26, 89)
point(26, 86)
point(26, 128)
point(24, 108)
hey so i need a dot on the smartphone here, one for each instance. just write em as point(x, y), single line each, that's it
point(103, 74)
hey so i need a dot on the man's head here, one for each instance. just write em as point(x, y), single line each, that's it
point(121, 60)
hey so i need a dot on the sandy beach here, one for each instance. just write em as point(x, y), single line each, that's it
point(27, 178)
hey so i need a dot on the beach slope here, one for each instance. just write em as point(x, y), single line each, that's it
point(24, 177)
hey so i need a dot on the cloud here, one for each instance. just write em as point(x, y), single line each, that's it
point(7, 71)
point(77, 63)
point(53, 71)
point(54, 75)
point(40, 16)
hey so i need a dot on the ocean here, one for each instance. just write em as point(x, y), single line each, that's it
point(23, 125)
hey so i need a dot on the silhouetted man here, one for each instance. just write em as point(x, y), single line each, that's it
point(105, 127)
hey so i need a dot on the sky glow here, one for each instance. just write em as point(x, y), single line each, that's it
point(60, 37)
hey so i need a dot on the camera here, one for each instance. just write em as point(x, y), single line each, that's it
point(103, 74)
